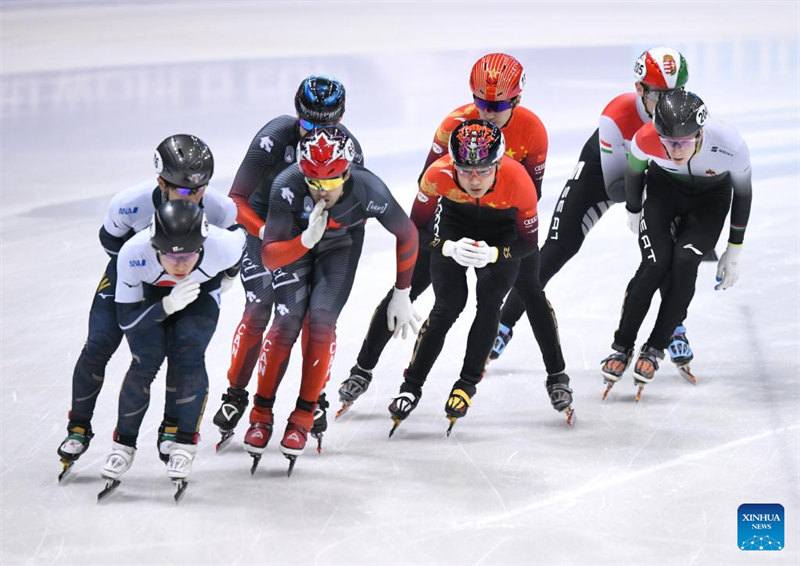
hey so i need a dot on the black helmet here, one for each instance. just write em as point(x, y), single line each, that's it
point(184, 161)
point(178, 226)
point(679, 114)
point(320, 100)
point(476, 143)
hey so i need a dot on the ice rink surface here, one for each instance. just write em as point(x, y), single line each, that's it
point(90, 88)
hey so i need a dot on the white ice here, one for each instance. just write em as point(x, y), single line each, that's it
point(88, 90)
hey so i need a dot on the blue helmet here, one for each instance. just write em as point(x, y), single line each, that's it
point(320, 100)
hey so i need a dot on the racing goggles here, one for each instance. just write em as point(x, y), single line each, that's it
point(180, 257)
point(186, 191)
point(325, 184)
point(493, 105)
point(480, 172)
point(309, 126)
point(678, 143)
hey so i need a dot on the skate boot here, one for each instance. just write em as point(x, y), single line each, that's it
point(258, 435)
point(459, 402)
point(180, 466)
point(353, 387)
point(615, 365)
point(561, 395)
point(645, 369)
point(320, 420)
point(294, 437)
point(504, 334)
point(166, 440)
point(118, 462)
point(681, 353)
point(402, 405)
point(234, 402)
point(75, 444)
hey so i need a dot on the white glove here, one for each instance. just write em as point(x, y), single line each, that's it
point(463, 252)
point(261, 232)
point(317, 222)
point(183, 293)
point(226, 283)
point(488, 254)
point(400, 313)
point(634, 219)
point(728, 267)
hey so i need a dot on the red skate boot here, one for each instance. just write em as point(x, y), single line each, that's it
point(258, 435)
point(296, 435)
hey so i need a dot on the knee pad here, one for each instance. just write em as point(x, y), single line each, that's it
point(255, 317)
point(285, 330)
point(687, 260)
point(100, 347)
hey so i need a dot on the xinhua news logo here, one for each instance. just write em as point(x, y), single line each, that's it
point(761, 526)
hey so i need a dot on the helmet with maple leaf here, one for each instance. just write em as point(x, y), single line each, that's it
point(325, 153)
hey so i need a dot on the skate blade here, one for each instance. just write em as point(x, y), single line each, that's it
point(570, 416)
point(686, 373)
point(292, 459)
point(256, 460)
point(345, 407)
point(181, 486)
point(111, 486)
point(609, 385)
point(639, 391)
point(452, 423)
point(67, 468)
point(396, 424)
point(319, 442)
point(224, 441)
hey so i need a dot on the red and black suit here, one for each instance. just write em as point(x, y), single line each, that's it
point(272, 150)
point(317, 282)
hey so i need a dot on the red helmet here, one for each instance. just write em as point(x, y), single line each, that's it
point(325, 153)
point(497, 76)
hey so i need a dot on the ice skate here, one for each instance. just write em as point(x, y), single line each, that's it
point(293, 443)
point(680, 352)
point(459, 402)
point(353, 387)
point(166, 440)
point(75, 444)
point(614, 366)
point(320, 420)
point(234, 402)
point(256, 439)
point(402, 405)
point(645, 369)
point(561, 395)
point(180, 466)
point(118, 462)
point(504, 334)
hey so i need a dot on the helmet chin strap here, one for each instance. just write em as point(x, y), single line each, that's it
point(643, 99)
point(515, 101)
point(646, 111)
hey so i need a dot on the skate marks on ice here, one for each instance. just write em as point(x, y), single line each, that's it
point(567, 496)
